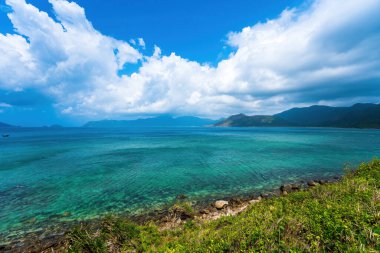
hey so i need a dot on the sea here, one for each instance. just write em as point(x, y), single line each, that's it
point(53, 175)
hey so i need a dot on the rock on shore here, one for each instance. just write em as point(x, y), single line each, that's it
point(220, 204)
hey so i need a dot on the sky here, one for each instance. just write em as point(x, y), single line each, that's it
point(69, 62)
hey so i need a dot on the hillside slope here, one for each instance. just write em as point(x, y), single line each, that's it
point(356, 116)
point(242, 120)
point(4, 125)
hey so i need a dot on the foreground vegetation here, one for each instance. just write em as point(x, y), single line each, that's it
point(337, 217)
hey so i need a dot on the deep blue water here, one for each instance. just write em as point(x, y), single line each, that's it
point(89, 172)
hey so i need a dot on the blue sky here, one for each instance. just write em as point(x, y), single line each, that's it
point(193, 29)
point(69, 62)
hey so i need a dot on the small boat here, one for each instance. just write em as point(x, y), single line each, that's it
point(5, 135)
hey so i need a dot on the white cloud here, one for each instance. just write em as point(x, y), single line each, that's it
point(141, 42)
point(65, 56)
point(5, 105)
point(319, 47)
point(327, 53)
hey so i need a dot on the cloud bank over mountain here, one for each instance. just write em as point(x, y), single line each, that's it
point(326, 53)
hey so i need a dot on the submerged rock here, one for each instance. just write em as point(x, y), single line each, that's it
point(220, 204)
point(181, 196)
point(66, 214)
point(32, 220)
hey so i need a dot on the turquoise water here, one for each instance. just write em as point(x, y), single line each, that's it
point(89, 172)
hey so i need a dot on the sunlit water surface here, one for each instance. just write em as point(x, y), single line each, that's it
point(47, 174)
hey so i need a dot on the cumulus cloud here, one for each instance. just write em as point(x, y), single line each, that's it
point(332, 44)
point(5, 105)
point(141, 42)
point(62, 56)
point(326, 54)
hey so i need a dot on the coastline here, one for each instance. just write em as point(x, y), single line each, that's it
point(169, 217)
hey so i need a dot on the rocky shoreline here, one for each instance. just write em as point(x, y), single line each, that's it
point(168, 218)
point(177, 215)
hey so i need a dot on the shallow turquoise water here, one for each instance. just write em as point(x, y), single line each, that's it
point(89, 172)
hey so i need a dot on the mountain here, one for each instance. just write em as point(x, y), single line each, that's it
point(359, 116)
point(161, 121)
point(356, 116)
point(315, 115)
point(242, 120)
point(3, 125)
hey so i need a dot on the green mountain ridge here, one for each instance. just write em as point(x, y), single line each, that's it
point(161, 121)
point(242, 120)
point(357, 116)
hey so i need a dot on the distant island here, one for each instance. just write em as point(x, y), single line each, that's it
point(4, 125)
point(356, 116)
point(363, 115)
point(160, 121)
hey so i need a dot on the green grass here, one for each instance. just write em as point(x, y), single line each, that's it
point(337, 217)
